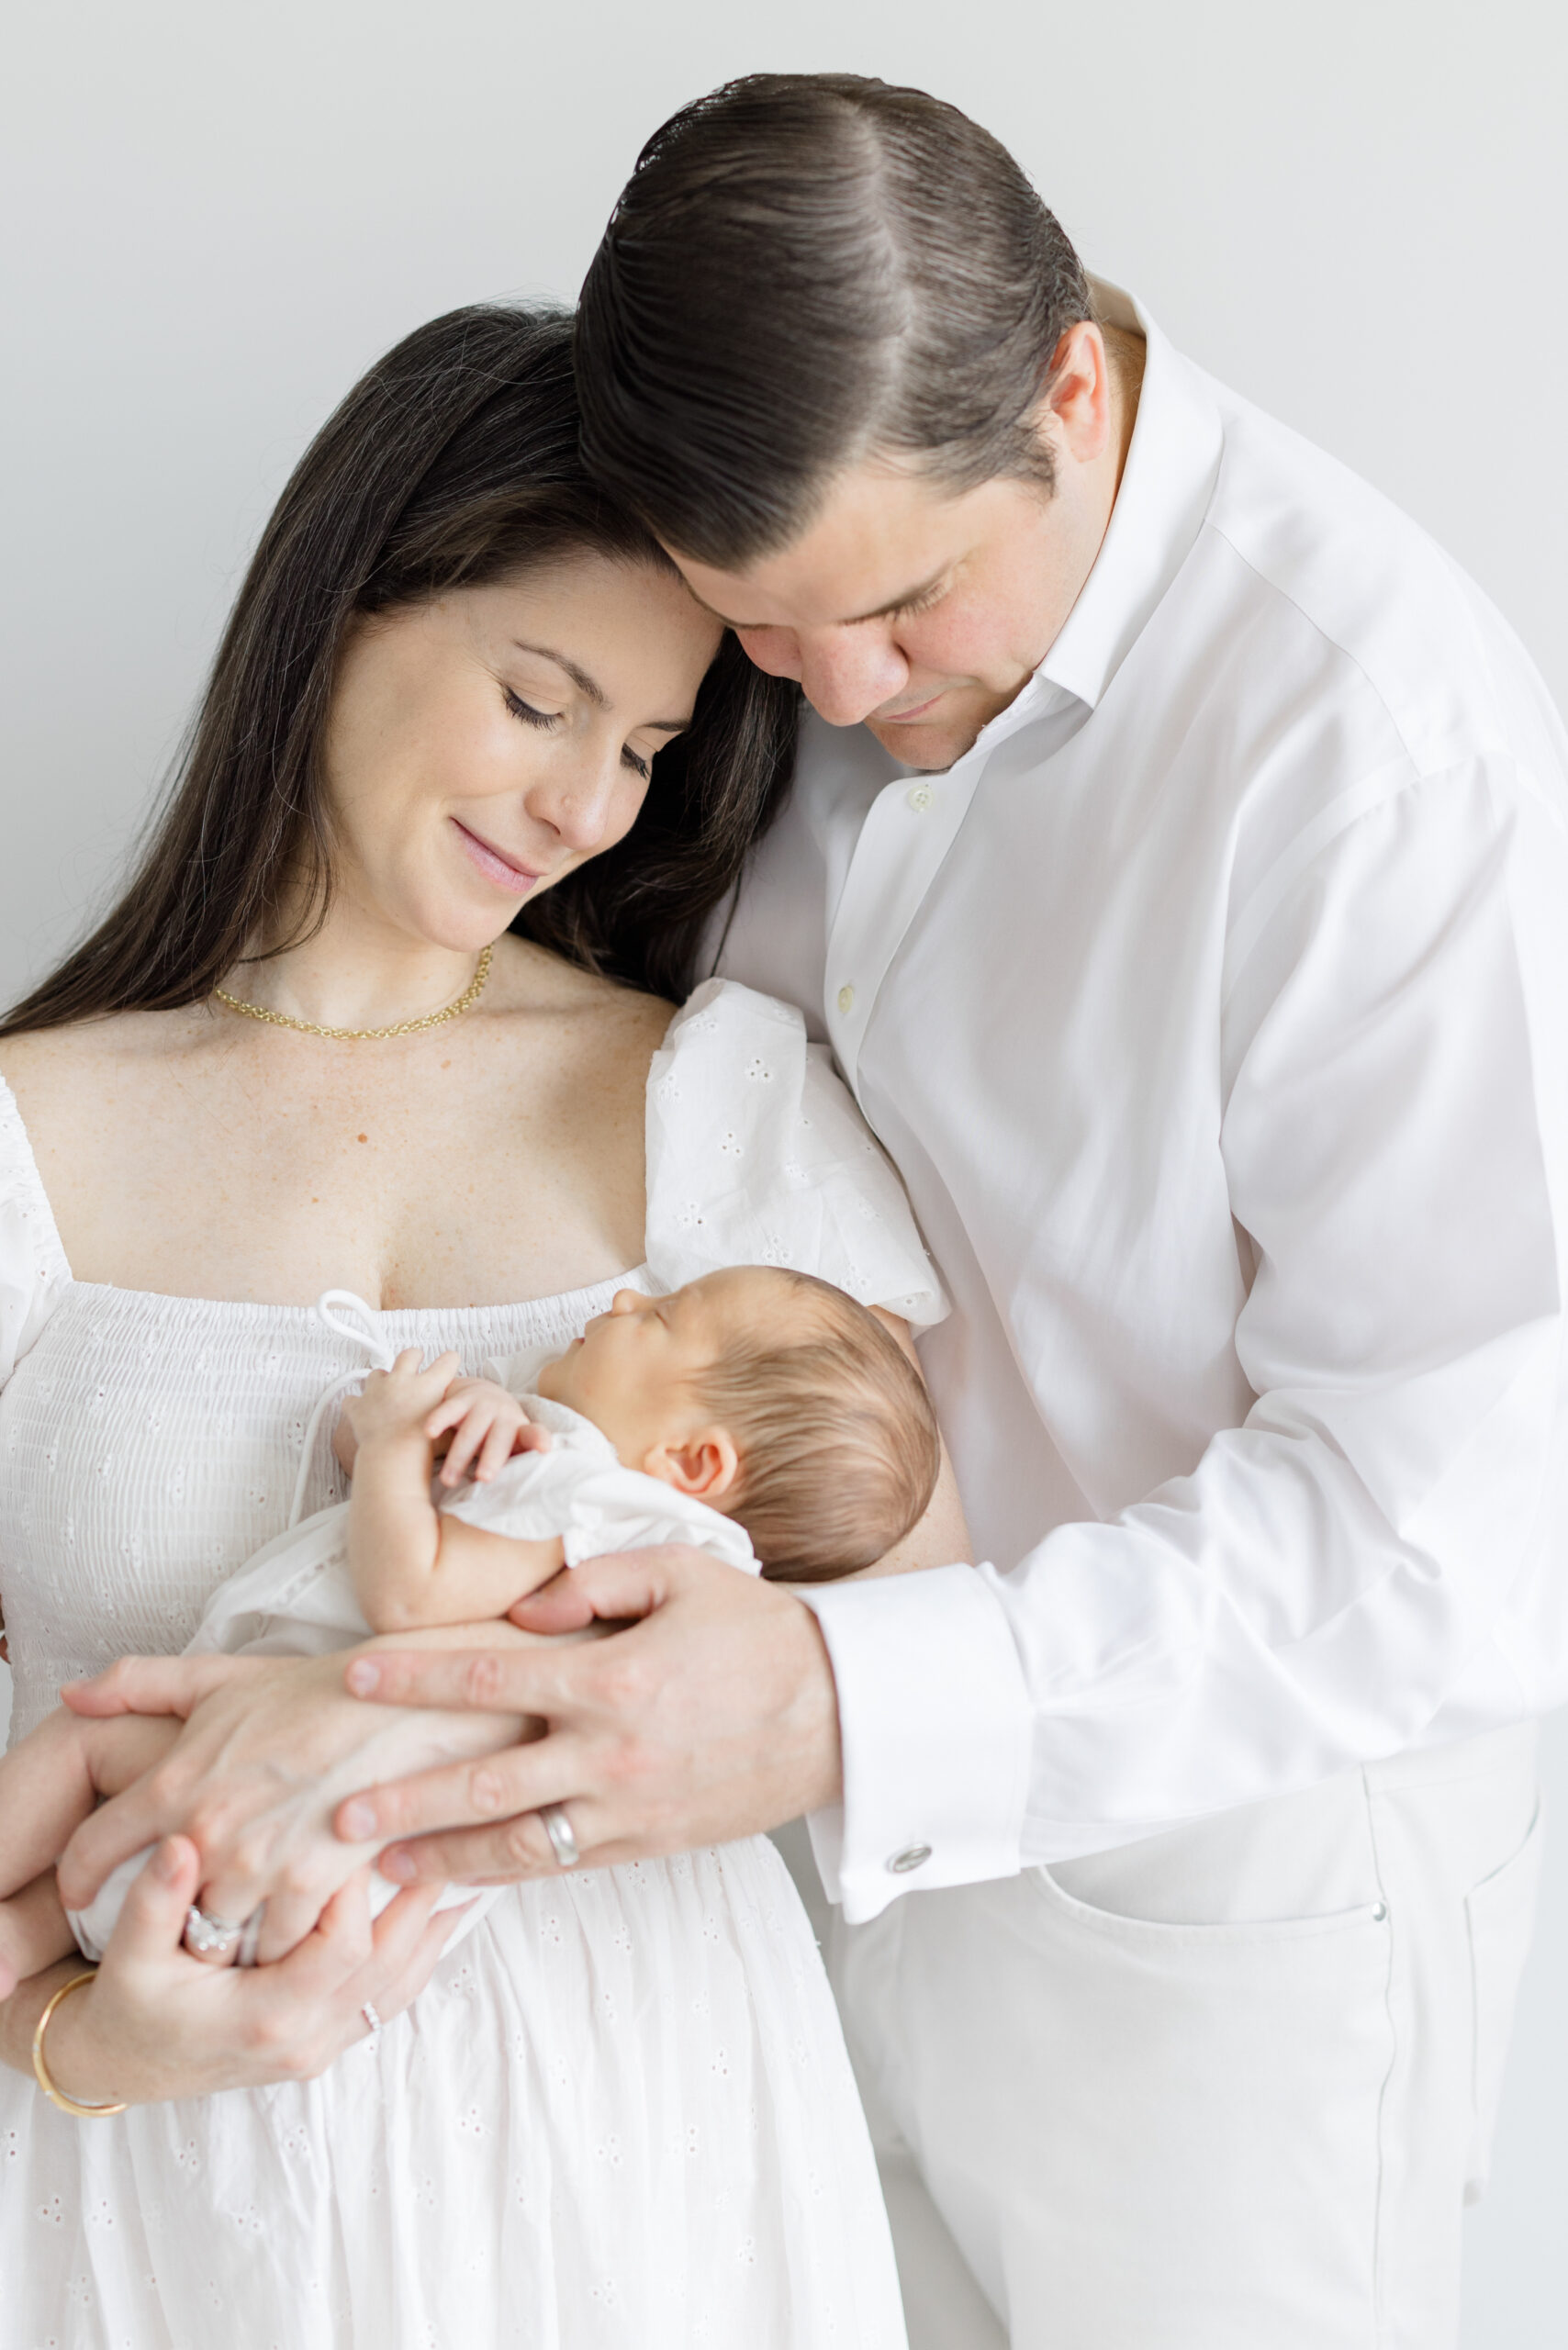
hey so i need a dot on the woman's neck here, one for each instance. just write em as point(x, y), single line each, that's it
point(358, 971)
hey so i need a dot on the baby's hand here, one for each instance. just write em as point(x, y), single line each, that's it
point(394, 1404)
point(487, 1427)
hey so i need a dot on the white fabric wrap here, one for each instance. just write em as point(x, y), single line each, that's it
point(295, 1597)
point(757, 1156)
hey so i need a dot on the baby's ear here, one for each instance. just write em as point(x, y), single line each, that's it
point(705, 1465)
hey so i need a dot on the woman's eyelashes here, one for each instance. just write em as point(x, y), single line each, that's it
point(548, 718)
point(526, 712)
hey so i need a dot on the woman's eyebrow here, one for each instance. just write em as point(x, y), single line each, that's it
point(574, 670)
point(591, 687)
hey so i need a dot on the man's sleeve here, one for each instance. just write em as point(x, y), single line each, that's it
point(1337, 1570)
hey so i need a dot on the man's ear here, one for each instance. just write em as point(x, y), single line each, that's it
point(1074, 411)
point(704, 1464)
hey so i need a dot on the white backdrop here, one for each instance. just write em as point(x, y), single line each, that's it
point(1355, 211)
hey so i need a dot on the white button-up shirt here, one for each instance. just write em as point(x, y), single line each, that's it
point(1214, 1010)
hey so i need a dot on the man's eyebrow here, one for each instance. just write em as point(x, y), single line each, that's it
point(592, 689)
point(882, 613)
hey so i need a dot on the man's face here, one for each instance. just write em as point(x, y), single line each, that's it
point(919, 610)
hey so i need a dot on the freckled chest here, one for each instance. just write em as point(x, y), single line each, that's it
point(504, 1162)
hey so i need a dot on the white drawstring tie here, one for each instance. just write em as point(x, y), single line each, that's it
point(347, 1316)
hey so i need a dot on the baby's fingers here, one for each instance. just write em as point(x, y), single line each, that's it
point(411, 1364)
point(451, 1412)
point(500, 1442)
point(467, 1440)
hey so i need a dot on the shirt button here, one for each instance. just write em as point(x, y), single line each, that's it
point(920, 798)
point(846, 1000)
point(914, 1856)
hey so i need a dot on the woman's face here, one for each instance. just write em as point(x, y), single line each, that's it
point(481, 746)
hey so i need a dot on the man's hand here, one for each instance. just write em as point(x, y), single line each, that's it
point(710, 1717)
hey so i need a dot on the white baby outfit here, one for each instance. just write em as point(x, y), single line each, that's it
point(297, 1597)
point(620, 2114)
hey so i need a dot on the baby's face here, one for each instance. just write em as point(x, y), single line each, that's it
point(630, 1371)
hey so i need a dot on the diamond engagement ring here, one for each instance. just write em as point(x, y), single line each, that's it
point(558, 1827)
point(374, 2020)
point(210, 1937)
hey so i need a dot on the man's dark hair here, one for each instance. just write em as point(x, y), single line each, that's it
point(803, 269)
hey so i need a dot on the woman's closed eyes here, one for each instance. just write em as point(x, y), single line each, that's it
point(545, 718)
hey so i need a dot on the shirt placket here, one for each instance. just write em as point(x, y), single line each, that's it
point(907, 832)
point(903, 841)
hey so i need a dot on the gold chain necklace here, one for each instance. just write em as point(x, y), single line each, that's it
point(464, 1003)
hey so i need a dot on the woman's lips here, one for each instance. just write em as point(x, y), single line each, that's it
point(515, 880)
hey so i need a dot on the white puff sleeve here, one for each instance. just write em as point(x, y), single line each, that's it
point(34, 1275)
point(758, 1156)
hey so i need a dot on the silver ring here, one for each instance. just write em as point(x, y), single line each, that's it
point(210, 1937)
point(374, 2020)
point(558, 1827)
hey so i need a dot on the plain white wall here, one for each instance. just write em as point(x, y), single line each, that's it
point(1354, 211)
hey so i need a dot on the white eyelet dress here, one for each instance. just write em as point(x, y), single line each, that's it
point(620, 2115)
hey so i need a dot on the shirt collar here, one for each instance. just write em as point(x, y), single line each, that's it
point(1166, 486)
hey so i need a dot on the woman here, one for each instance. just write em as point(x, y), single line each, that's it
point(304, 1051)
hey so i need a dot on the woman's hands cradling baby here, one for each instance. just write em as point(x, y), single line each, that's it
point(473, 1425)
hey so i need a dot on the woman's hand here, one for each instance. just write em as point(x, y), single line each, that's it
point(270, 1747)
point(155, 2023)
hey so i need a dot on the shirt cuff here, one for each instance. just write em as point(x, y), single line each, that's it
point(938, 1732)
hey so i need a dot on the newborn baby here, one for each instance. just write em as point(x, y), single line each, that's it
point(759, 1414)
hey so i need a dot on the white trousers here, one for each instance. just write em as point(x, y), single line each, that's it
point(1225, 2090)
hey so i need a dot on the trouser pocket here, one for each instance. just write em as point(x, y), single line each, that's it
point(1141, 2133)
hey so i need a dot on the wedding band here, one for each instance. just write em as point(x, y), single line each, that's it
point(374, 2020)
point(210, 1937)
point(558, 1827)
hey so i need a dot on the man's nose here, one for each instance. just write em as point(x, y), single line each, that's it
point(848, 673)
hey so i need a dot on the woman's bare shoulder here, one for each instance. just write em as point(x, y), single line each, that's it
point(49, 1065)
point(625, 1019)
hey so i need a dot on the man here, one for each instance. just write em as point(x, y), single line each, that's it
point(1177, 864)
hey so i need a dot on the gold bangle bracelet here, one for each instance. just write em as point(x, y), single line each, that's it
point(56, 2096)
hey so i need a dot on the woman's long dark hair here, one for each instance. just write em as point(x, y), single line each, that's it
point(454, 461)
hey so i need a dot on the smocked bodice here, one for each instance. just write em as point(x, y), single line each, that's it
point(148, 1445)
